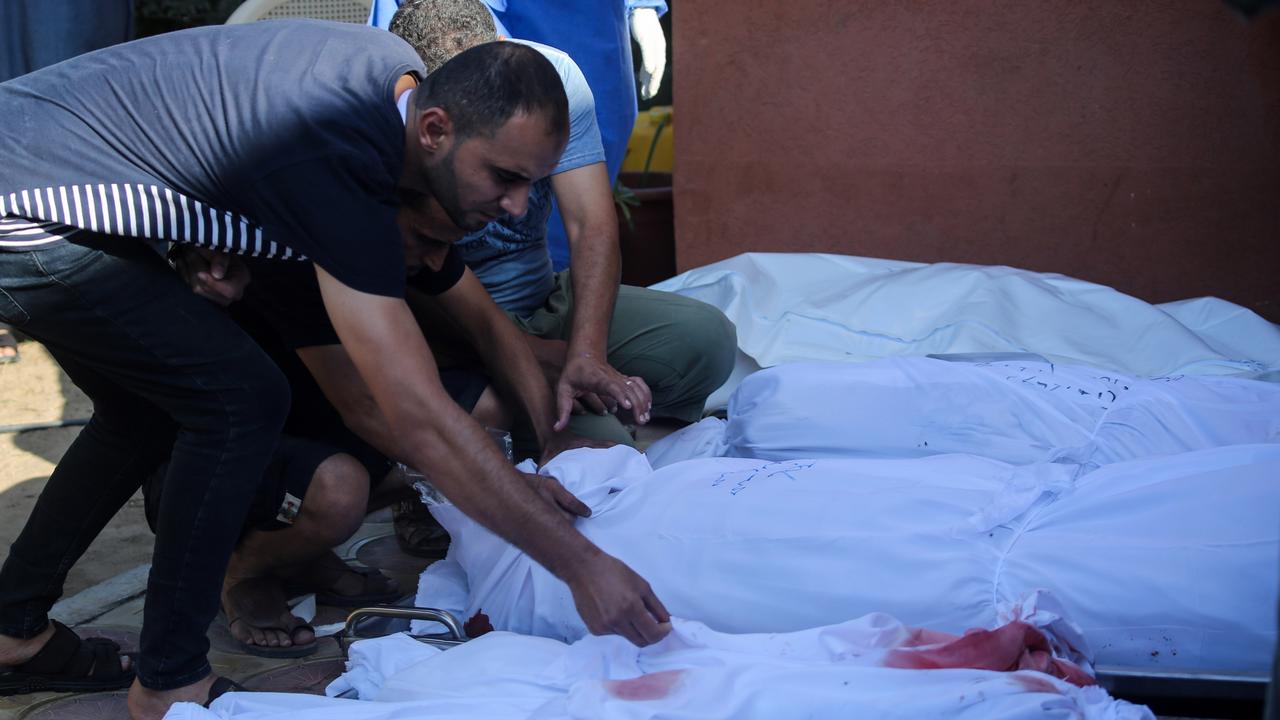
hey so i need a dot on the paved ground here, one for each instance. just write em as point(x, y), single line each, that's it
point(35, 390)
point(103, 589)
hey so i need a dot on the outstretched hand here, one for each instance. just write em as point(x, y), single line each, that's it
point(212, 275)
point(613, 599)
point(599, 388)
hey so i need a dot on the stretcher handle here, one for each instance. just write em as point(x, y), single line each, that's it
point(455, 631)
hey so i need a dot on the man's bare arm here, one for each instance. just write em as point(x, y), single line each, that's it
point(502, 347)
point(436, 436)
point(591, 224)
point(471, 312)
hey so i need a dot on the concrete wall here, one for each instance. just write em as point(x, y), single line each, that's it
point(1134, 143)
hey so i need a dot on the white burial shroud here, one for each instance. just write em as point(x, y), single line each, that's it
point(797, 307)
point(1168, 562)
point(858, 668)
point(1021, 411)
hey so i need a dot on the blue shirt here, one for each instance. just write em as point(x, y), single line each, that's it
point(510, 254)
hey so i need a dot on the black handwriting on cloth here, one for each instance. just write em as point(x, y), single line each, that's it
point(742, 478)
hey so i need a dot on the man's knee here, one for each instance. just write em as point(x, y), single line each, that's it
point(693, 355)
point(337, 497)
point(702, 349)
point(717, 344)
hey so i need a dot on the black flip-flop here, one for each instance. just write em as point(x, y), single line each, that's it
point(278, 652)
point(68, 663)
point(368, 597)
point(222, 686)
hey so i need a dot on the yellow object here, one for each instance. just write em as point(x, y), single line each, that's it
point(654, 122)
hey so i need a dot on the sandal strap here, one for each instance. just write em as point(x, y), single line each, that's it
point(59, 656)
point(68, 655)
point(105, 656)
point(290, 631)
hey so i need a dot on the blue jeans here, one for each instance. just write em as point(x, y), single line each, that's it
point(151, 355)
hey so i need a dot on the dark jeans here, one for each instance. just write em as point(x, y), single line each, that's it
point(151, 355)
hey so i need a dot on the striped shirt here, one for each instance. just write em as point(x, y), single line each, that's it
point(274, 139)
point(146, 212)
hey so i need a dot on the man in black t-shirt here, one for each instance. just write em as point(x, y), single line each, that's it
point(275, 139)
point(331, 459)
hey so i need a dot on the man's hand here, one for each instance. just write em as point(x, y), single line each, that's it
point(212, 275)
point(565, 440)
point(601, 389)
point(550, 355)
point(550, 489)
point(612, 598)
point(387, 348)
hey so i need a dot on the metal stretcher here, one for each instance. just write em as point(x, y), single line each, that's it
point(390, 614)
point(1186, 694)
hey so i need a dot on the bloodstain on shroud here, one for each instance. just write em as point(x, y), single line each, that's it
point(478, 625)
point(1015, 646)
point(653, 686)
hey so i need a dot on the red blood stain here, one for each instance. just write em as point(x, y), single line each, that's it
point(653, 686)
point(478, 625)
point(1015, 646)
point(924, 636)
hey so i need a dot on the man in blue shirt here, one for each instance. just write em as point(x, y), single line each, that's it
point(581, 324)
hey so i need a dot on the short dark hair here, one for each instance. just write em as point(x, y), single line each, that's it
point(482, 88)
point(440, 29)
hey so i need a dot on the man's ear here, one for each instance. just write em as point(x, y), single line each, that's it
point(435, 129)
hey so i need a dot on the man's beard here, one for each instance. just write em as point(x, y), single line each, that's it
point(444, 185)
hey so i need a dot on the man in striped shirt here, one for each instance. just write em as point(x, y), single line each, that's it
point(282, 139)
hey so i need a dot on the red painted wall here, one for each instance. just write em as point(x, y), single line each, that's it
point(1135, 143)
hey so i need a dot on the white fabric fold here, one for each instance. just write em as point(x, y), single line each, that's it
point(857, 668)
point(1022, 412)
point(794, 307)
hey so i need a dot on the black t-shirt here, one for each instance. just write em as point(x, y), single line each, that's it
point(286, 297)
point(283, 311)
point(270, 139)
